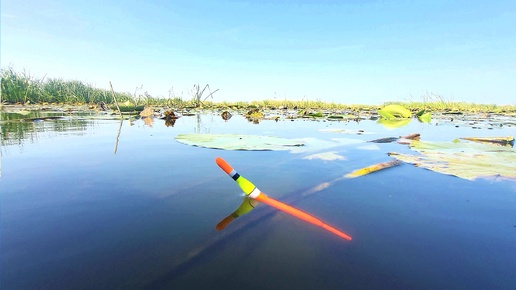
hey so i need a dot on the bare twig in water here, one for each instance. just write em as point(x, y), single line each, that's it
point(114, 98)
point(197, 94)
point(373, 168)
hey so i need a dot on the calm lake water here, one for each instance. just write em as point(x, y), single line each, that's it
point(75, 215)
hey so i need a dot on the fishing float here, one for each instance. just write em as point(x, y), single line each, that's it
point(254, 194)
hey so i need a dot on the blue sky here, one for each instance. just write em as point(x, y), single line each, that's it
point(365, 52)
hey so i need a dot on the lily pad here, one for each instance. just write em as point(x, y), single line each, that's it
point(345, 116)
point(316, 115)
point(238, 142)
point(463, 159)
point(425, 117)
point(394, 111)
point(128, 107)
point(393, 123)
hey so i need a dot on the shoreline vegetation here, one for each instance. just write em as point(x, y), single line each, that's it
point(21, 88)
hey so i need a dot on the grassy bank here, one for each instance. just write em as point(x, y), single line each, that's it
point(23, 88)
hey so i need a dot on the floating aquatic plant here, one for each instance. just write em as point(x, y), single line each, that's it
point(394, 111)
point(393, 123)
point(424, 116)
point(129, 107)
point(238, 141)
point(254, 115)
point(463, 159)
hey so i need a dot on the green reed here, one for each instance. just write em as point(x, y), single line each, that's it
point(24, 88)
point(19, 87)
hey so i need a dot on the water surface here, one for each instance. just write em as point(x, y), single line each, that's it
point(75, 215)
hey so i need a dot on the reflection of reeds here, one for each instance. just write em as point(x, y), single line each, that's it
point(17, 129)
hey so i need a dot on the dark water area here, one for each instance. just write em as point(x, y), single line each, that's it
point(77, 215)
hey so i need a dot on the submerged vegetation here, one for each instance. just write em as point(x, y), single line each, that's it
point(24, 88)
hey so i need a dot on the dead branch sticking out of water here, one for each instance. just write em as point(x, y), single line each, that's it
point(197, 94)
point(116, 103)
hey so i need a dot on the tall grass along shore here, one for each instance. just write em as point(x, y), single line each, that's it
point(24, 88)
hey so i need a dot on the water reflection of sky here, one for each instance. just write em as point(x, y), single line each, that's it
point(76, 215)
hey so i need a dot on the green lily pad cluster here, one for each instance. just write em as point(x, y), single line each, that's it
point(395, 116)
point(128, 107)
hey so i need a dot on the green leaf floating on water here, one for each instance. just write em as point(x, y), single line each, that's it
point(393, 123)
point(238, 141)
point(463, 159)
point(424, 117)
point(394, 111)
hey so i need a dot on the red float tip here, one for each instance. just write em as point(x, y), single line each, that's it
point(223, 165)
